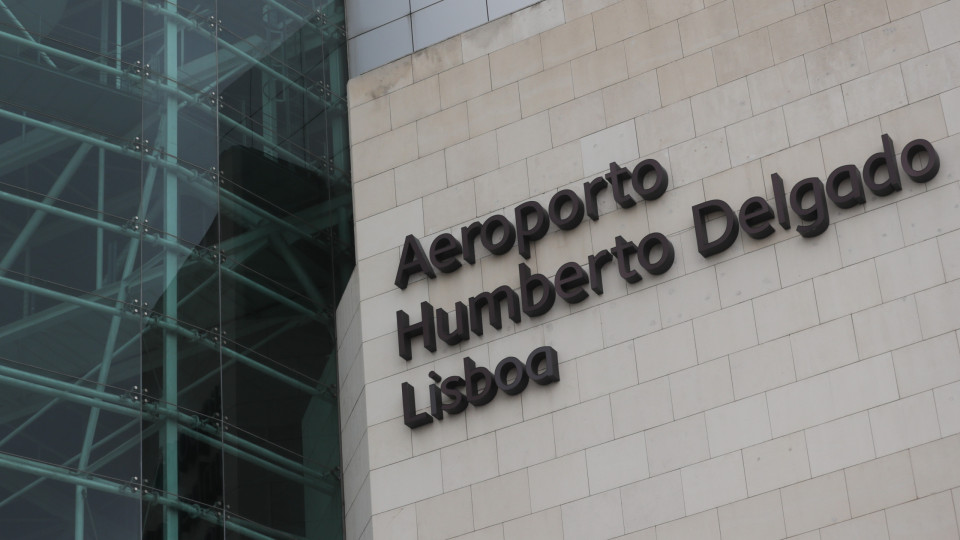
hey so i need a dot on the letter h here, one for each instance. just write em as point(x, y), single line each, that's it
point(425, 328)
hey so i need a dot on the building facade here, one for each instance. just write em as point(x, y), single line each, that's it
point(176, 234)
point(754, 310)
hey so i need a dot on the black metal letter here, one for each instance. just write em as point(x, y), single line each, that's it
point(412, 260)
point(730, 231)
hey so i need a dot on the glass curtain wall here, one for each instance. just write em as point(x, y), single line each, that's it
point(175, 233)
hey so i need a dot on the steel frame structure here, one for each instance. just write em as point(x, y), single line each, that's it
point(320, 225)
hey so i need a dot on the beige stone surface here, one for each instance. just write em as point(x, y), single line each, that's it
point(742, 56)
point(653, 48)
point(516, 62)
point(686, 77)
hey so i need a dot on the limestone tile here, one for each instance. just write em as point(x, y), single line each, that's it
point(701, 388)
point(708, 27)
point(501, 188)
point(575, 119)
point(836, 393)
point(561, 395)
point(901, 8)
point(802, 33)
point(436, 58)
point(651, 502)
point(631, 98)
point(629, 317)
point(414, 102)
point(606, 371)
point(786, 311)
point(574, 9)
point(525, 444)
point(446, 516)
point(599, 69)
point(778, 85)
point(869, 235)
point(555, 168)
point(924, 519)
point(516, 62)
point(948, 408)
point(824, 347)
point(874, 94)
point(490, 533)
point(847, 290)
point(369, 120)
point(742, 56)
point(688, 297)
point(937, 24)
point(388, 229)
point(951, 110)
point(699, 158)
point(500, 499)
point(777, 463)
point(756, 137)
point(689, 76)
point(950, 254)
point(421, 177)
point(762, 368)
point(932, 73)
point(653, 48)
point(909, 270)
point(804, 5)
point(465, 81)
point(905, 423)
point(871, 526)
point(472, 158)
point(582, 426)
point(663, 11)
point(755, 14)
point(725, 331)
point(620, 21)
point(920, 120)
point(713, 483)
point(523, 139)
point(438, 435)
point(895, 42)
point(838, 444)
point(576, 334)
point(748, 276)
point(443, 129)
point(641, 407)
point(738, 425)
point(493, 110)
point(665, 127)
point(815, 115)
point(670, 349)
point(379, 82)
point(617, 143)
point(617, 463)
point(851, 17)
point(546, 89)
point(545, 525)
point(935, 466)
point(851, 145)
point(374, 195)
point(568, 41)
point(389, 442)
point(512, 28)
point(703, 525)
point(384, 152)
point(595, 518)
point(736, 184)
point(558, 481)
point(554, 249)
point(677, 444)
point(886, 327)
point(755, 518)
point(837, 63)
point(449, 207)
point(881, 483)
point(401, 522)
point(405, 482)
point(721, 106)
point(815, 503)
point(793, 164)
point(930, 214)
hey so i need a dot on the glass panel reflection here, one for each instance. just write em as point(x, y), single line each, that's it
point(175, 233)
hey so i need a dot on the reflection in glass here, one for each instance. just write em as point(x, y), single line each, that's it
point(175, 233)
